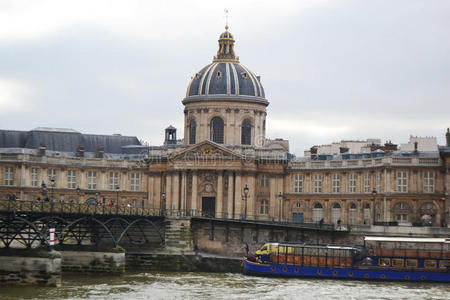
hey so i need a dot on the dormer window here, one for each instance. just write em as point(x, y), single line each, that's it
point(197, 76)
point(219, 74)
point(244, 75)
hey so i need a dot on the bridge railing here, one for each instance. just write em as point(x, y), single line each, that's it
point(81, 208)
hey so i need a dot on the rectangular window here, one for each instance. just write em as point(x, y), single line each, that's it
point(298, 183)
point(402, 182)
point(384, 262)
point(336, 183)
point(34, 177)
point(352, 183)
point(135, 182)
point(401, 218)
point(113, 180)
point(428, 182)
point(8, 176)
point(264, 180)
point(51, 175)
point(429, 264)
point(397, 262)
point(378, 182)
point(444, 264)
point(318, 183)
point(367, 183)
point(71, 179)
point(411, 263)
point(92, 180)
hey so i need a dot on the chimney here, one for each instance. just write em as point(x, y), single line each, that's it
point(100, 151)
point(313, 151)
point(447, 137)
point(416, 146)
point(42, 148)
point(343, 150)
point(80, 151)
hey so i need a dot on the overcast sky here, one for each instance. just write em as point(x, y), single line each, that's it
point(331, 70)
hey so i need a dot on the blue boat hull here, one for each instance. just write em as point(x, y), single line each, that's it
point(253, 268)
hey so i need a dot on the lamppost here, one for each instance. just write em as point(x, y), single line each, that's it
point(52, 186)
point(78, 193)
point(117, 201)
point(280, 196)
point(43, 189)
point(374, 194)
point(163, 204)
point(96, 197)
point(244, 197)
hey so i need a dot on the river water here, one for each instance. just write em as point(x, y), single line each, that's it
point(171, 285)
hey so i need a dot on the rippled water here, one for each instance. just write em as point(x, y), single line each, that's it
point(222, 286)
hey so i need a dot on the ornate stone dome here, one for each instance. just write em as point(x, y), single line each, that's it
point(225, 77)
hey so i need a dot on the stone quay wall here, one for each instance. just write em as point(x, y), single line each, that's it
point(93, 262)
point(30, 267)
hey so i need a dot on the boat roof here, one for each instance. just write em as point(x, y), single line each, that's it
point(407, 239)
point(312, 246)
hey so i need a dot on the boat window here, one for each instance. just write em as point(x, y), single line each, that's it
point(444, 264)
point(411, 263)
point(397, 262)
point(264, 248)
point(384, 262)
point(429, 264)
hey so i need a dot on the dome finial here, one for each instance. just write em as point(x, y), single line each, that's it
point(226, 45)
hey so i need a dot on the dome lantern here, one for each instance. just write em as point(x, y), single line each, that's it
point(226, 48)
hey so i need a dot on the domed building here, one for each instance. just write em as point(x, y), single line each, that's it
point(225, 101)
point(225, 167)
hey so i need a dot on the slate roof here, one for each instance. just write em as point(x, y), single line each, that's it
point(225, 79)
point(64, 140)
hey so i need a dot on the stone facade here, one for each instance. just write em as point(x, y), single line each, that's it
point(225, 166)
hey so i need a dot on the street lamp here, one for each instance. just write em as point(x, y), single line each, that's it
point(78, 193)
point(245, 200)
point(280, 196)
point(96, 197)
point(117, 201)
point(52, 186)
point(374, 194)
point(43, 188)
point(163, 204)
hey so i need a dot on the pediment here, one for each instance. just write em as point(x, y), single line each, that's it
point(207, 150)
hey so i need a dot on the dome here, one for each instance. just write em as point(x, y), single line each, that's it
point(225, 77)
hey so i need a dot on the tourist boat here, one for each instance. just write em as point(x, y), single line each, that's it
point(380, 258)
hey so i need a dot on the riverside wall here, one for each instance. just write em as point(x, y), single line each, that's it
point(30, 267)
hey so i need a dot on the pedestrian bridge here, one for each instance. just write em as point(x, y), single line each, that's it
point(26, 224)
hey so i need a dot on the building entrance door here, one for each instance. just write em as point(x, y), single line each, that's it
point(209, 206)
point(297, 217)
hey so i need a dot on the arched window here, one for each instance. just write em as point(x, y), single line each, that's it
point(335, 213)
point(216, 130)
point(246, 136)
point(317, 212)
point(352, 214)
point(264, 207)
point(192, 131)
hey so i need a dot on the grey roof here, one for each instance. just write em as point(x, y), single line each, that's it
point(225, 79)
point(64, 140)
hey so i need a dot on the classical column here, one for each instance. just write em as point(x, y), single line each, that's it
point(150, 191)
point(176, 190)
point(183, 191)
point(194, 195)
point(238, 197)
point(252, 207)
point(157, 192)
point(168, 191)
point(230, 196)
point(219, 206)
